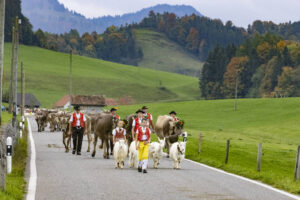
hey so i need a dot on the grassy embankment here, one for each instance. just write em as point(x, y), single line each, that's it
point(15, 182)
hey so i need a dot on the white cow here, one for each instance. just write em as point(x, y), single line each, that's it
point(156, 151)
point(120, 153)
point(133, 155)
point(177, 153)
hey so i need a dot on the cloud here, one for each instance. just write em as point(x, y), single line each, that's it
point(240, 12)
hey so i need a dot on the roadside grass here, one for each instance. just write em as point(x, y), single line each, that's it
point(160, 53)
point(47, 77)
point(15, 182)
point(272, 122)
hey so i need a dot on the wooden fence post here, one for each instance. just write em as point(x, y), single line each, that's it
point(259, 153)
point(297, 165)
point(227, 151)
point(199, 143)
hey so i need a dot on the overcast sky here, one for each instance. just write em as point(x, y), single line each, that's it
point(241, 12)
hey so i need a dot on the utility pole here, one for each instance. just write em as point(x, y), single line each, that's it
point(2, 21)
point(70, 80)
point(22, 89)
point(11, 95)
point(15, 79)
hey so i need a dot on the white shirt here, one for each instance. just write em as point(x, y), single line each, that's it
point(144, 137)
point(78, 119)
point(117, 129)
point(140, 122)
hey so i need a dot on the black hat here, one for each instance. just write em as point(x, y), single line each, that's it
point(113, 109)
point(139, 111)
point(76, 107)
point(173, 112)
point(144, 107)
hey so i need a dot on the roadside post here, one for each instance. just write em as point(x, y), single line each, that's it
point(297, 165)
point(227, 151)
point(8, 154)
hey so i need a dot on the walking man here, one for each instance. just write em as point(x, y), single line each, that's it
point(148, 116)
point(78, 127)
point(137, 122)
point(113, 111)
point(173, 115)
point(142, 145)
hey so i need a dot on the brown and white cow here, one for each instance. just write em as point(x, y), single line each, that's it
point(167, 128)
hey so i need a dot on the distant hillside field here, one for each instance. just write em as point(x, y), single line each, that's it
point(162, 54)
point(47, 77)
point(272, 122)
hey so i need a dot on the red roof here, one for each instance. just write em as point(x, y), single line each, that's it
point(62, 102)
point(111, 102)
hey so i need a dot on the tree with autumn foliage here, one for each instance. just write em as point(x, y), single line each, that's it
point(233, 75)
point(286, 82)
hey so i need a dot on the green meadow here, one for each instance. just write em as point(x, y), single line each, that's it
point(47, 77)
point(272, 122)
point(160, 53)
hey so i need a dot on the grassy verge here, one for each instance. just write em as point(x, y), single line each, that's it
point(273, 122)
point(15, 183)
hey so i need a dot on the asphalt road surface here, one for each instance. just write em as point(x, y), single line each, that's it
point(63, 176)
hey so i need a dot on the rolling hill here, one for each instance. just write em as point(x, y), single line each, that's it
point(160, 53)
point(53, 17)
point(47, 77)
point(272, 122)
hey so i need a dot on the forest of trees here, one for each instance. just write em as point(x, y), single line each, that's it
point(263, 61)
point(263, 66)
point(199, 35)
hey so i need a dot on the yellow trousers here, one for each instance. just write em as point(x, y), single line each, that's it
point(143, 151)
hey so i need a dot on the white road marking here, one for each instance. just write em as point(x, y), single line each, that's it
point(248, 180)
point(33, 174)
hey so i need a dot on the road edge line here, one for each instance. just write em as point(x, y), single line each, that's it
point(33, 174)
point(246, 179)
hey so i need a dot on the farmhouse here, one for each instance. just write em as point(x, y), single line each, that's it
point(63, 103)
point(30, 101)
point(89, 103)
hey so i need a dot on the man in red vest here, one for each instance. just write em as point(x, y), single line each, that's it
point(142, 145)
point(113, 111)
point(137, 122)
point(148, 116)
point(119, 133)
point(77, 122)
point(173, 115)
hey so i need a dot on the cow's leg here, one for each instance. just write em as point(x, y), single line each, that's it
point(69, 142)
point(107, 148)
point(95, 144)
point(64, 142)
point(105, 144)
point(89, 141)
point(168, 147)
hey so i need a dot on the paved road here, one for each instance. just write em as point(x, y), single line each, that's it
point(63, 176)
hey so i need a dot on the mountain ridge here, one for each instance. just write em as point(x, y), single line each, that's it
point(52, 16)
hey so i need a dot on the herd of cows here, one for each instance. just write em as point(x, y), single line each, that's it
point(100, 125)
